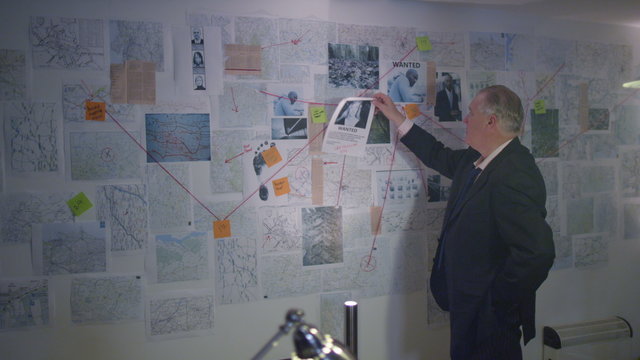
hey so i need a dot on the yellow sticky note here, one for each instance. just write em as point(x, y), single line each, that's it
point(423, 43)
point(318, 114)
point(221, 229)
point(96, 111)
point(79, 204)
point(281, 186)
point(539, 107)
point(271, 156)
point(412, 110)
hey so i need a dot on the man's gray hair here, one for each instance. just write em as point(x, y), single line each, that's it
point(506, 105)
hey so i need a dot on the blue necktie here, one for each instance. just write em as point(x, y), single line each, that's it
point(471, 176)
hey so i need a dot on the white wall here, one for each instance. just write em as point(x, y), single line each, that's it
point(389, 325)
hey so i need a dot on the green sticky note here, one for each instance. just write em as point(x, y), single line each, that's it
point(79, 204)
point(423, 43)
point(539, 108)
point(318, 114)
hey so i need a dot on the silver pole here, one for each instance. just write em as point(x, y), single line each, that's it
point(351, 326)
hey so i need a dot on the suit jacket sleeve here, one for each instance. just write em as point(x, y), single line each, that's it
point(434, 154)
point(518, 202)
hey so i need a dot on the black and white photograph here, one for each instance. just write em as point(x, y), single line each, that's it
point(354, 66)
point(349, 127)
point(288, 128)
point(407, 82)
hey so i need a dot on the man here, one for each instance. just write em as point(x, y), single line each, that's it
point(495, 248)
point(447, 107)
point(354, 114)
point(284, 105)
point(197, 36)
point(401, 89)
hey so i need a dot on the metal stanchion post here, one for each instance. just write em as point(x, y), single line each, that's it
point(351, 326)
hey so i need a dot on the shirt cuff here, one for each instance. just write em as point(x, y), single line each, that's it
point(404, 128)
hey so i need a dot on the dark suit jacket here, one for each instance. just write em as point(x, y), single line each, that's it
point(443, 109)
point(499, 248)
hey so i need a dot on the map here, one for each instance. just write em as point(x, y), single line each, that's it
point(264, 32)
point(24, 303)
point(124, 208)
point(169, 203)
point(236, 271)
point(182, 257)
point(448, 49)
point(305, 41)
point(487, 51)
point(174, 316)
point(20, 211)
point(136, 40)
point(75, 95)
point(229, 150)
point(71, 249)
point(106, 298)
point(104, 155)
point(67, 43)
point(177, 137)
point(30, 136)
point(12, 75)
point(281, 229)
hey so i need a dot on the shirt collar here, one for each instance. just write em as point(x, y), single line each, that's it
point(482, 163)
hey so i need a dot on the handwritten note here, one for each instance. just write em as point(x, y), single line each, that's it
point(221, 229)
point(281, 186)
point(271, 156)
point(96, 111)
point(423, 43)
point(318, 114)
point(412, 110)
point(79, 204)
point(539, 107)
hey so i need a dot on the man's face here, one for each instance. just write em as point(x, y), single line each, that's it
point(412, 78)
point(293, 98)
point(448, 83)
point(476, 121)
point(196, 35)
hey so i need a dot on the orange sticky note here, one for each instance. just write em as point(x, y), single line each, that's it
point(96, 111)
point(281, 186)
point(221, 229)
point(271, 156)
point(412, 110)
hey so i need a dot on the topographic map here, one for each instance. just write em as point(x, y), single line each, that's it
point(71, 248)
point(519, 52)
point(227, 155)
point(263, 32)
point(322, 235)
point(236, 270)
point(394, 43)
point(75, 95)
point(104, 155)
point(169, 203)
point(487, 51)
point(24, 303)
point(181, 257)
point(20, 211)
point(242, 105)
point(13, 84)
point(137, 40)
point(177, 137)
point(180, 316)
point(67, 43)
point(124, 208)
point(345, 184)
point(447, 48)
point(283, 275)
point(30, 135)
point(281, 230)
point(306, 41)
point(106, 298)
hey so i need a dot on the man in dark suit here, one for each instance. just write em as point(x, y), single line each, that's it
point(495, 248)
point(447, 106)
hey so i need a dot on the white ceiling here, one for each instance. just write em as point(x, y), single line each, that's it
point(619, 12)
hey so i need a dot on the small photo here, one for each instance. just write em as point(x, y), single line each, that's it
point(286, 103)
point(447, 107)
point(355, 114)
point(354, 66)
point(198, 82)
point(197, 37)
point(197, 60)
point(289, 128)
